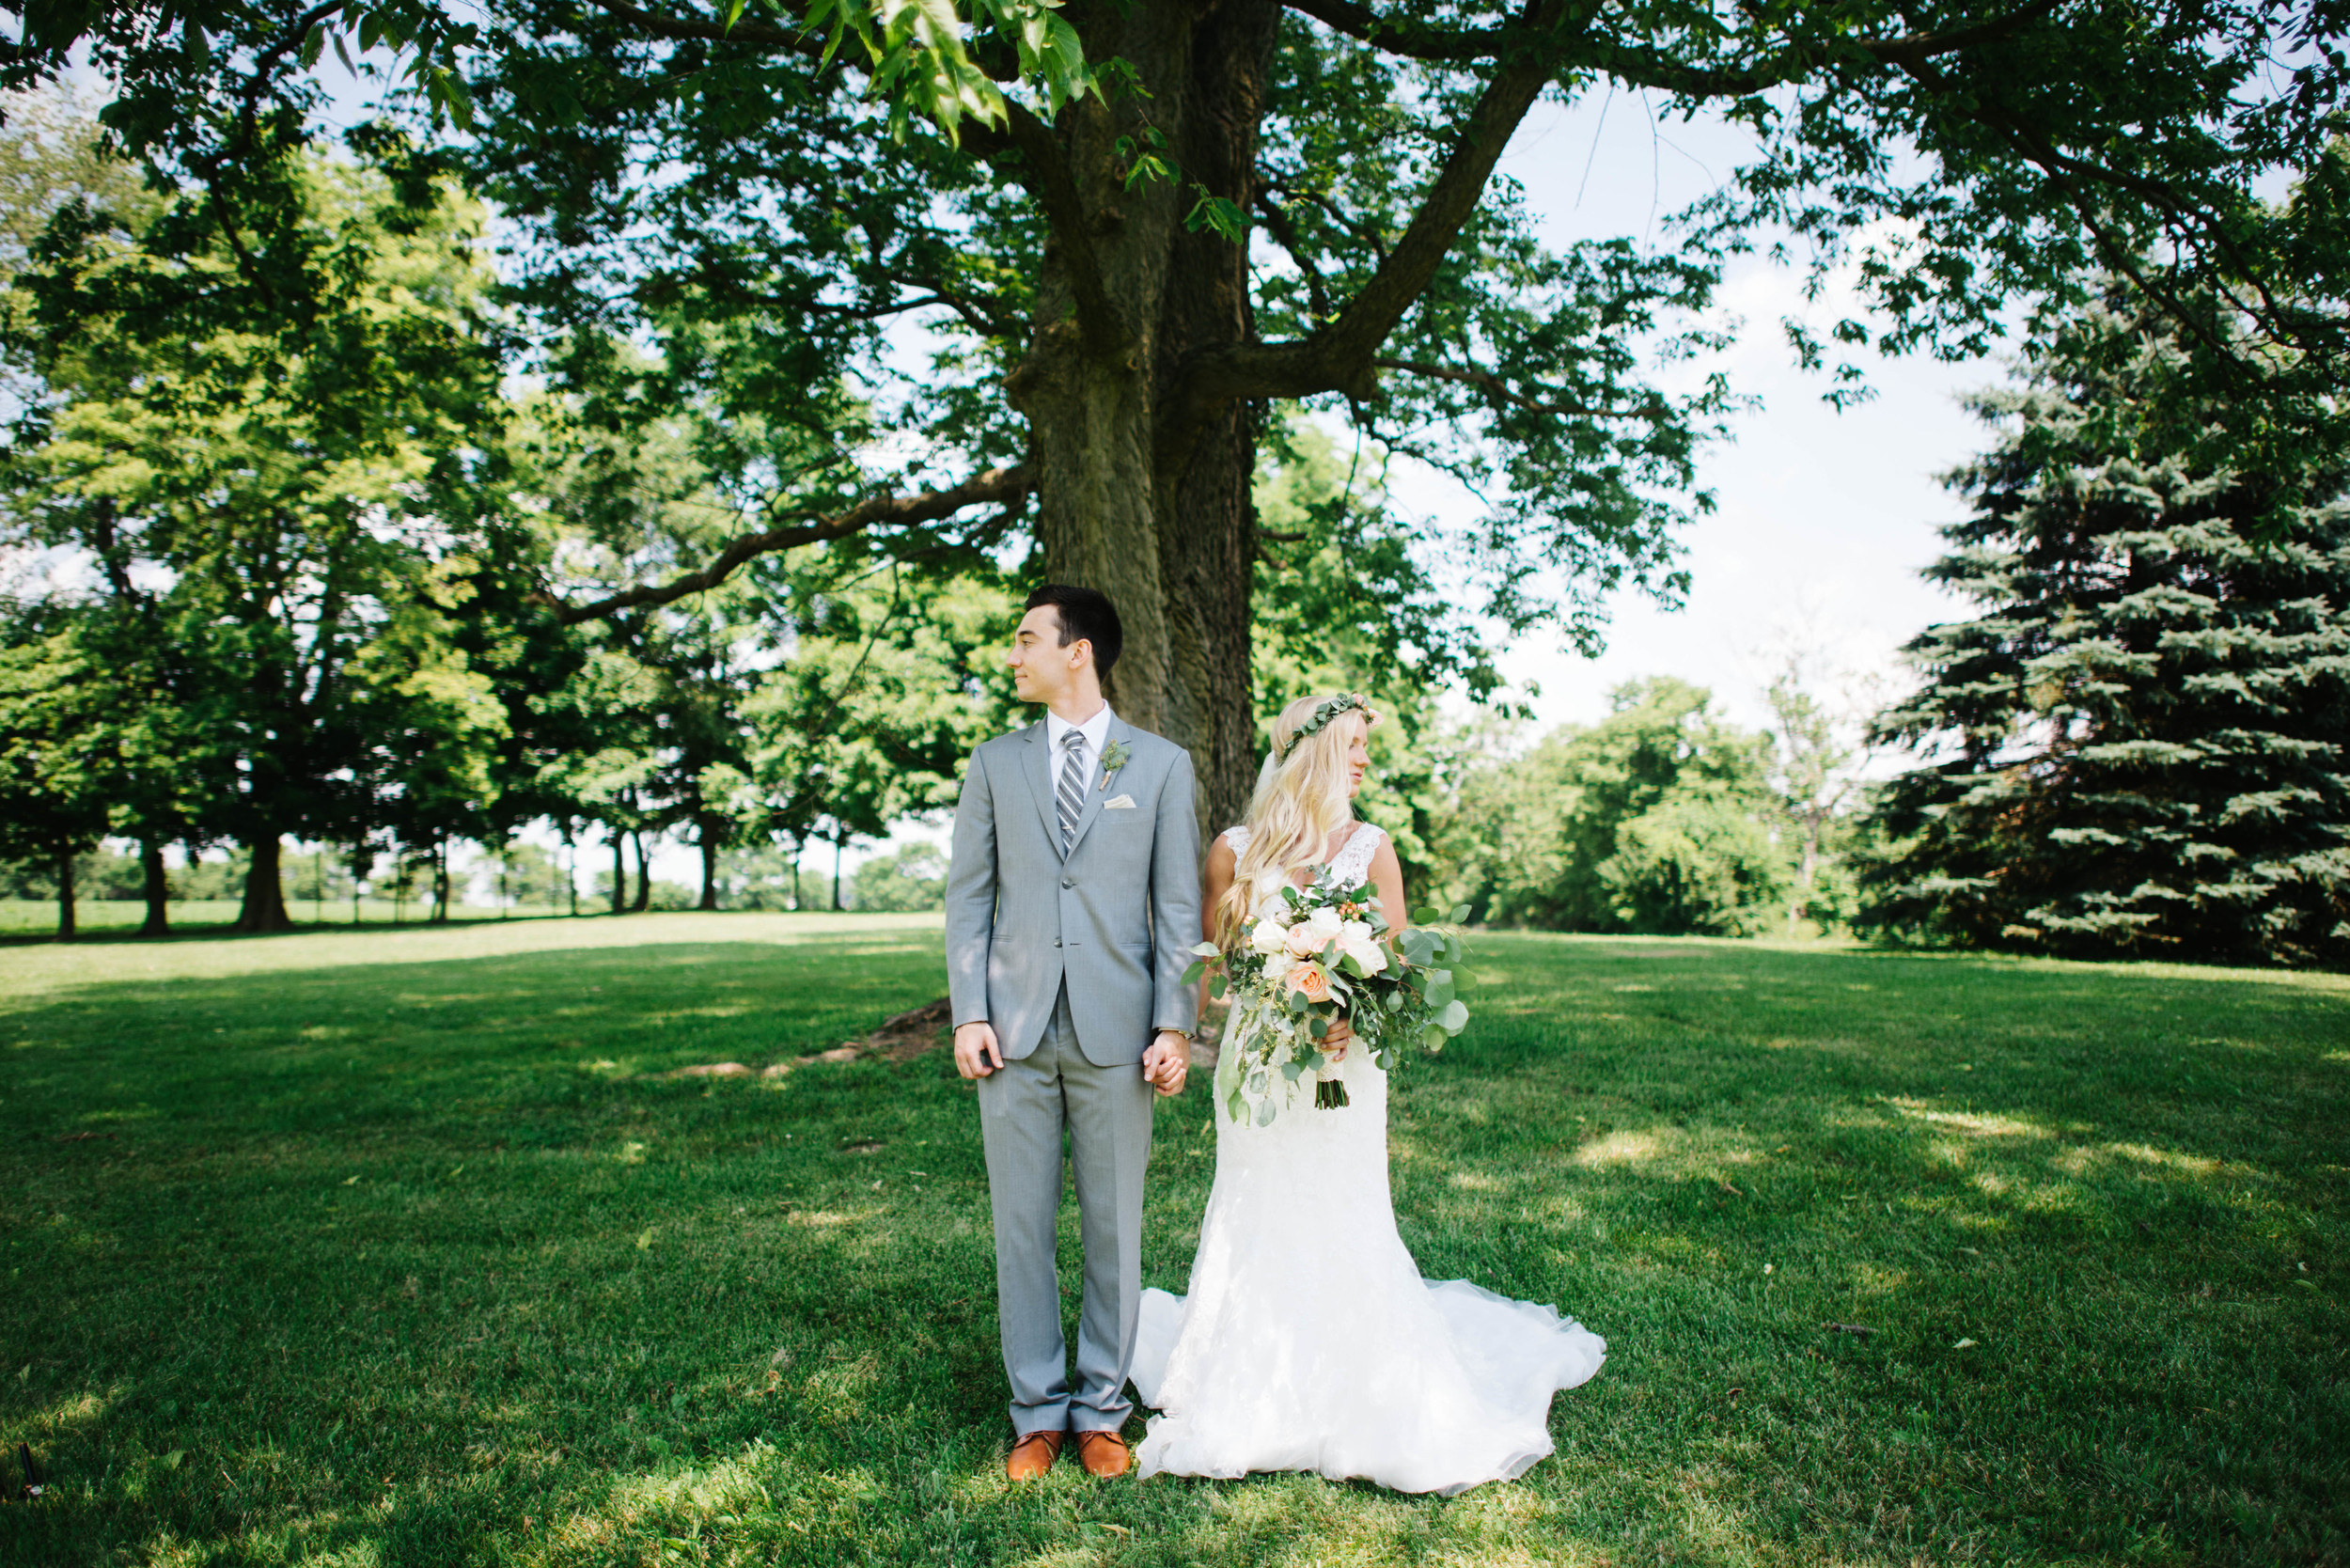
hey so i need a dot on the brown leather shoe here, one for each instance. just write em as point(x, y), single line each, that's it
point(1033, 1455)
point(1102, 1454)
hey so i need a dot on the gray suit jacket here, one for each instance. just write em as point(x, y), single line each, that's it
point(1115, 917)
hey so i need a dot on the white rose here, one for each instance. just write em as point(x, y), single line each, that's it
point(1355, 942)
point(1322, 926)
point(1267, 936)
point(1277, 969)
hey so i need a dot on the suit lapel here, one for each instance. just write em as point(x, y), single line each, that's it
point(1040, 781)
point(1095, 794)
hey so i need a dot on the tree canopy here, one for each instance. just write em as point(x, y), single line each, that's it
point(1129, 229)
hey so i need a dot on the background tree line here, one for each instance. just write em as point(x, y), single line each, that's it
point(325, 530)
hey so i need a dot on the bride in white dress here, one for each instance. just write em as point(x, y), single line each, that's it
point(1309, 1341)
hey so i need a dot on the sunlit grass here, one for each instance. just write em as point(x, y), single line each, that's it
point(391, 1247)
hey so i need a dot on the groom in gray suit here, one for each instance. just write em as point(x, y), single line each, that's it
point(1071, 901)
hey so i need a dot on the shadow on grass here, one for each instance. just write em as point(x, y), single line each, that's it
point(413, 1261)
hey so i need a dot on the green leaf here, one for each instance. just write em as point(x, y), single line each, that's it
point(1439, 992)
point(1217, 986)
point(1425, 917)
point(1220, 213)
point(1192, 972)
point(1454, 1018)
point(1458, 917)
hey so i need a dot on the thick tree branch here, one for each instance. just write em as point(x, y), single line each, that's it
point(1417, 41)
point(1006, 485)
point(1501, 391)
point(1413, 39)
point(1338, 358)
point(1640, 68)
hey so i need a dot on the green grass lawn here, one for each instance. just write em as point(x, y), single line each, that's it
point(391, 1249)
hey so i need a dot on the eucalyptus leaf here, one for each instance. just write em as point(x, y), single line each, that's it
point(1454, 1018)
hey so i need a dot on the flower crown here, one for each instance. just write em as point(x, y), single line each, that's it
point(1324, 711)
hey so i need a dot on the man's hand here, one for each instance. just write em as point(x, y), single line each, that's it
point(977, 1054)
point(1164, 1064)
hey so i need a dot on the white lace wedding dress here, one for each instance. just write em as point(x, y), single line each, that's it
point(1309, 1341)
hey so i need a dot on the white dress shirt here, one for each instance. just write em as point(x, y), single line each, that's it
point(1096, 732)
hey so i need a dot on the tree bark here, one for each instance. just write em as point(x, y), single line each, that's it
point(709, 841)
point(158, 890)
point(836, 874)
point(264, 894)
point(1159, 519)
point(643, 875)
point(619, 871)
point(65, 893)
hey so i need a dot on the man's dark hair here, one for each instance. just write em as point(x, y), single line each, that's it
point(1086, 615)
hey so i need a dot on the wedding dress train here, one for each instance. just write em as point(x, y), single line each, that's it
point(1309, 1341)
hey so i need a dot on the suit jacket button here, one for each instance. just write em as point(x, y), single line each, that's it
point(1069, 882)
point(1056, 941)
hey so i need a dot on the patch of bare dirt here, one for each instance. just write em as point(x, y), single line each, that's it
point(900, 1039)
point(912, 1032)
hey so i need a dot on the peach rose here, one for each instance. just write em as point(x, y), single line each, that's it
point(1304, 940)
point(1311, 978)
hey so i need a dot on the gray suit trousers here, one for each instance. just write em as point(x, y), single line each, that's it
point(1025, 1106)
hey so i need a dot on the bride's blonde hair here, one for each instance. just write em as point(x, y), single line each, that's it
point(1301, 800)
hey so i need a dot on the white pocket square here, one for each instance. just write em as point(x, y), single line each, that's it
point(1118, 803)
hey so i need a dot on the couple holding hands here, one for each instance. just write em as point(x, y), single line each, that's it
point(1308, 1339)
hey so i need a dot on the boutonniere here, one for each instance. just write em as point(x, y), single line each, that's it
point(1114, 757)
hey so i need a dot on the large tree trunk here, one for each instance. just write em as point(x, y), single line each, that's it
point(643, 875)
point(620, 872)
point(157, 922)
point(264, 894)
point(709, 838)
point(1159, 518)
point(65, 893)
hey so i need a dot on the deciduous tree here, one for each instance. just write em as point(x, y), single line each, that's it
point(1131, 225)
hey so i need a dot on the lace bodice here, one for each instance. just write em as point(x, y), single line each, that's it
point(1352, 862)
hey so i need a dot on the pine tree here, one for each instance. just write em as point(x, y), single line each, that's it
point(2138, 748)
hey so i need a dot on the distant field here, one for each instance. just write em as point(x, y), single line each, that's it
point(395, 1248)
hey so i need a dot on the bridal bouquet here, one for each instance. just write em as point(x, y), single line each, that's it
point(1310, 959)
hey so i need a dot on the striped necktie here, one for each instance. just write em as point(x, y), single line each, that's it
point(1073, 786)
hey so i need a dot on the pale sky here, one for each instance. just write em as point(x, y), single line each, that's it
point(1825, 518)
